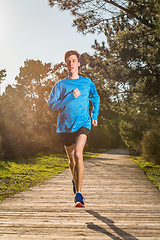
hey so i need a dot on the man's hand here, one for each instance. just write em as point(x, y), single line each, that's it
point(94, 123)
point(76, 93)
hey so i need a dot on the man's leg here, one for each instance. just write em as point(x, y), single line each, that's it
point(70, 154)
point(79, 166)
point(75, 156)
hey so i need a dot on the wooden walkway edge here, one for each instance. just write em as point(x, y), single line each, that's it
point(121, 203)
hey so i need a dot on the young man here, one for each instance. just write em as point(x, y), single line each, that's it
point(71, 97)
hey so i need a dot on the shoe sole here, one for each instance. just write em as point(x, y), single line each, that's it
point(79, 204)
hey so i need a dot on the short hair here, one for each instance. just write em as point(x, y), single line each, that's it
point(72, 52)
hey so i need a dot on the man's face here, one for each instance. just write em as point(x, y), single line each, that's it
point(72, 64)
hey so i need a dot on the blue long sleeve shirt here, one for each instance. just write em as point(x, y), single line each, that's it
point(74, 112)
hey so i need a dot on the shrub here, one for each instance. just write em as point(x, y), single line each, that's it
point(151, 145)
point(131, 134)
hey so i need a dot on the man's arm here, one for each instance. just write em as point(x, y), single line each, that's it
point(95, 101)
point(55, 102)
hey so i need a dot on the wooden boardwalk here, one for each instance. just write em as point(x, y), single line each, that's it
point(121, 203)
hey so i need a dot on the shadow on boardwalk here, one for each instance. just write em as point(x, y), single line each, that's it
point(124, 235)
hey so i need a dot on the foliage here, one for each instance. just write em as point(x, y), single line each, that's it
point(93, 15)
point(138, 115)
point(151, 145)
point(25, 116)
point(2, 75)
point(33, 83)
point(130, 62)
point(131, 134)
point(151, 170)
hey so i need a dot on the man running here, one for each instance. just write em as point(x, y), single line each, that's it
point(71, 97)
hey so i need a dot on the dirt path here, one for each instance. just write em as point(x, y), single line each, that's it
point(121, 203)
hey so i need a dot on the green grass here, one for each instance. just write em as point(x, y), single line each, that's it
point(19, 175)
point(152, 171)
point(16, 176)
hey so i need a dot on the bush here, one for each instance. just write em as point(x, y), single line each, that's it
point(131, 134)
point(151, 146)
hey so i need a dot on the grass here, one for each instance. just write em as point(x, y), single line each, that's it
point(19, 175)
point(151, 170)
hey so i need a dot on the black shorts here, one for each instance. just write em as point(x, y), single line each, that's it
point(70, 138)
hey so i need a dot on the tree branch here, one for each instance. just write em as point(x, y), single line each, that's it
point(131, 13)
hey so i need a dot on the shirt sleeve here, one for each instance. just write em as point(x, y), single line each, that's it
point(95, 99)
point(55, 101)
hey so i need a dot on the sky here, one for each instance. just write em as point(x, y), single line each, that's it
point(31, 29)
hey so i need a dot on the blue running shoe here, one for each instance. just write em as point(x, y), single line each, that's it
point(79, 200)
point(74, 187)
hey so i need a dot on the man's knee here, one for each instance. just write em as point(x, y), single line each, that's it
point(78, 155)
